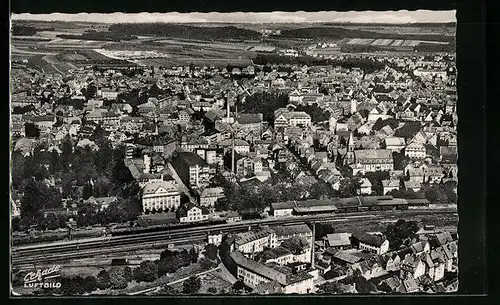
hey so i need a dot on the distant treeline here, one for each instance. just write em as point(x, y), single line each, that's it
point(23, 30)
point(365, 64)
point(340, 33)
point(422, 47)
point(99, 36)
point(423, 25)
point(184, 31)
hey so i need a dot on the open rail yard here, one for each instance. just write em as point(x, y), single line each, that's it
point(68, 250)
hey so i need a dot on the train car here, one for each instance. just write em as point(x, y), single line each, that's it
point(160, 228)
point(347, 205)
point(418, 202)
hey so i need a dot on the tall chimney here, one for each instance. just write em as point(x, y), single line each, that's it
point(312, 246)
point(232, 154)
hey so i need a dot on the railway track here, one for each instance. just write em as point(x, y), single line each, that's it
point(81, 249)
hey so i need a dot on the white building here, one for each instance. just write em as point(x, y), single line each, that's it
point(253, 273)
point(372, 243)
point(193, 213)
point(255, 241)
point(160, 196)
point(415, 150)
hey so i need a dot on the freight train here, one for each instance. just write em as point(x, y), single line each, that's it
point(297, 208)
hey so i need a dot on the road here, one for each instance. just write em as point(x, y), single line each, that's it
point(155, 289)
point(180, 185)
point(26, 52)
point(115, 244)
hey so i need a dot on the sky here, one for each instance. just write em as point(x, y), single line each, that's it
point(244, 17)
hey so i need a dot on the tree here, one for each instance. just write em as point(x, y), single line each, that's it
point(361, 284)
point(117, 278)
point(87, 191)
point(400, 233)
point(170, 264)
point(52, 221)
point(238, 286)
point(211, 251)
point(435, 194)
point(321, 190)
point(295, 244)
point(66, 152)
point(121, 173)
point(89, 284)
point(72, 286)
point(128, 273)
point(194, 255)
point(34, 198)
point(146, 272)
point(103, 280)
point(322, 229)
point(212, 290)
point(349, 187)
point(402, 184)
point(31, 130)
point(207, 264)
point(116, 212)
point(192, 285)
point(331, 288)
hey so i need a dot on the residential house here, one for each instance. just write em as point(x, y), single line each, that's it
point(372, 243)
point(285, 118)
point(415, 150)
point(209, 196)
point(390, 185)
point(280, 209)
point(374, 159)
point(191, 213)
point(365, 187)
point(338, 241)
point(233, 216)
point(395, 144)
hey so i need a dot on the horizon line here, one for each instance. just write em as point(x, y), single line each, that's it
point(276, 17)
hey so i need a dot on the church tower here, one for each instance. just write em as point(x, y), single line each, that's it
point(354, 106)
point(350, 143)
point(332, 123)
point(350, 158)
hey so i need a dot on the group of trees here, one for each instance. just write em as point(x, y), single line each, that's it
point(379, 124)
point(401, 233)
point(295, 244)
point(317, 114)
point(333, 288)
point(365, 64)
point(265, 103)
point(375, 179)
point(249, 199)
point(408, 130)
point(185, 32)
point(23, 109)
point(341, 33)
point(171, 261)
point(148, 271)
point(99, 36)
point(442, 193)
point(76, 173)
point(361, 284)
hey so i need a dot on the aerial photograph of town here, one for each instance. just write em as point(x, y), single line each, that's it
point(175, 154)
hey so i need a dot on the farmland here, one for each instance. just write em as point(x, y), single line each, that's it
point(56, 47)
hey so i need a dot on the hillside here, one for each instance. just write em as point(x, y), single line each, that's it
point(340, 33)
point(186, 32)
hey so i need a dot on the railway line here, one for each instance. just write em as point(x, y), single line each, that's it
point(60, 251)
